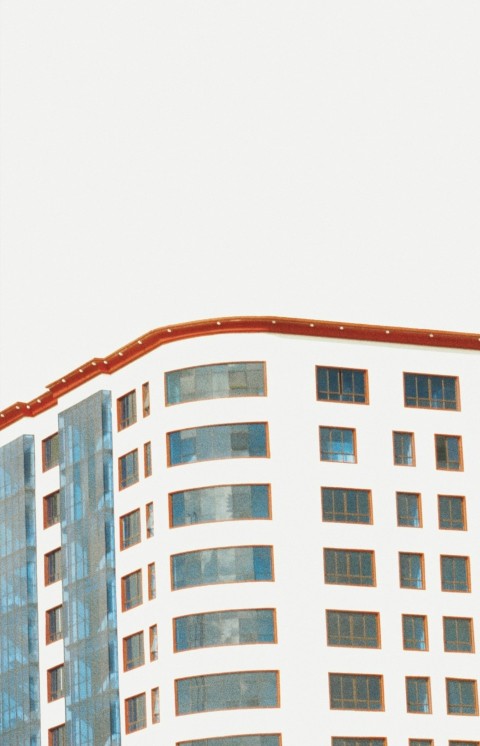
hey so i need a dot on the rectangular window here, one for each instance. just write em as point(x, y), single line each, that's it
point(128, 469)
point(228, 502)
point(451, 512)
point(464, 743)
point(359, 741)
point(430, 392)
point(51, 509)
point(356, 629)
point(350, 691)
point(215, 382)
point(217, 628)
point(155, 696)
point(458, 634)
point(127, 410)
point(150, 520)
point(147, 459)
point(414, 628)
point(225, 565)
point(462, 697)
point(409, 509)
point(133, 652)
point(50, 452)
point(57, 736)
point(403, 449)
point(270, 739)
point(349, 567)
point(53, 566)
point(135, 713)
point(455, 572)
point(130, 529)
point(146, 399)
point(420, 742)
point(448, 452)
point(152, 583)
point(342, 385)
point(242, 440)
point(132, 590)
point(54, 624)
point(346, 505)
point(227, 691)
point(418, 694)
point(338, 444)
point(411, 570)
point(55, 683)
point(153, 634)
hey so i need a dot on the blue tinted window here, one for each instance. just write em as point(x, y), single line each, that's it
point(227, 691)
point(215, 382)
point(349, 567)
point(217, 442)
point(346, 505)
point(237, 627)
point(430, 392)
point(230, 502)
point(235, 741)
point(226, 565)
point(341, 385)
point(337, 444)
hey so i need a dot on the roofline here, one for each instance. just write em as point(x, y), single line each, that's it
point(231, 325)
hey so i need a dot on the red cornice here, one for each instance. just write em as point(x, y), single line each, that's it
point(278, 325)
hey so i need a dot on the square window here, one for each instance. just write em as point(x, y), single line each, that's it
point(414, 628)
point(133, 651)
point(355, 691)
point(50, 452)
point(150, 520)
point(411, 570)
point(455, 572)
point(430, 392)
point(132, 590)
point(448, 452)
point(451, 512)
point(458, 634)
point(55, 683)
point(409, 509)
point(155, 705)
point(130, 529)
point(152, 583)
point(337, 444)
point(147, 459)
point(54, 624)
point(342, 385)
point(146, 399)
point(51, 509)
point(357, 629)
point(53, 566)
point(462, 697)
point(135, 713)
point(418, 694)
point(153, 642)
point(57, 736)
point(349, 567)
point(127, 410)
point(128, 469)
point(403, 449)
point(346, 505)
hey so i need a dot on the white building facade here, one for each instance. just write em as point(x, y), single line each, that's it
point(247, 532)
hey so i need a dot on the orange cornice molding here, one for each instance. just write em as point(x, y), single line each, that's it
point(231, 325)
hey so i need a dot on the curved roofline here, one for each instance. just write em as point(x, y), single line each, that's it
point(231, 325)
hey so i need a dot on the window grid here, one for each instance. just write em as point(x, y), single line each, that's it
point(53, 566)
point(355, 691)
point(415, 633)
point(223, 502)
point(51, 509)
point(403, 449)
point(346, 505)
point(427, 391)
point(128, 469)
point(55, 683)
point(358, 629)
point(409, 509)
point(50, 452)
point(418, 694)
point(448, 452)
point(54, 624)
point(451, 512)
point(132, 590)
point(342, 385)
point(126, 410)
point(349, 567)
point(411, 570)
point(133, 651)
point(135, 713)
point(338, 444)
point(458, 634)
point(455, 573)
point(130, 529)
point(462, 697)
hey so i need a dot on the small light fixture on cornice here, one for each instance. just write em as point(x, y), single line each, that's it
point(93, 363)
point(431, 336)
point(341, 328)
point(64, 380)
point(139, 342)
point(312, 325)
point(387, 331)
point(80, 370)
point(169, 331)
point(273, 321)
point(219, 323)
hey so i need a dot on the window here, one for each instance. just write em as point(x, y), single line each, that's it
point(448, 452)
point(464, 743)
point(341, 385)
point(455, 572)
point(128, 469)
point(414, 628)
point(356, 629)
point(430, 392)
point(337, 444)
point(53, 566)
point(418, 694)
point(420, 742)
point(359, 742)
point(458, 634)
point(243, 440)
point(260, 740)
point(212, 629)
point(135, 713)
point(147, 459)
point(461, 697)
point(54, 624)
point(50, 452)
point(346, 505)
point(150, 520)
point(132, 590)
point(215, 382)
point(152, 583)
point(55, 683)
point(227, 691)
point(127, 410)
point(153, 642)
point(57, 736)
point(133, 654)
point(409, 509)
point(451, 512)
point(130, 529)
point(146, 399)
point(155, 696)
point(225, 565)
point(411, 570)
point(229, 502)
point(51, 509)
point(349, 567)
point(403, 449)
point(350, 691)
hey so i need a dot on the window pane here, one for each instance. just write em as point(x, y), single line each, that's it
point(248, 689)
point(128, 469)
point(451, 512)
point(55, 683)
point(349, 567)
point(217, 442)
point(337, 444)
point(132, 590)
point(418, 694)
point(414, 632)
point(346, 505)
point(409, 509)
point(341, 384)
point(461, 697)
point(50, 452)
point(150, 520)
point(411, 570)
point(403, 450)
point(455, 574)
point(146, 399)
point(355, 692)
point(237, 627)
point(130, 529)
point(231, 502)
point(126, 410)
point(226, 565)
point(135, 713)
point(133, 651)
point(51, 509)
point(431, 392)
point(448, 452)
point(261, 740)
point(353, 629)
point(458, 634)
point(54, 624)
point(359, 742)
point(215, 382)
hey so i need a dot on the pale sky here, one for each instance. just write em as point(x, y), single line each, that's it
point(171, 160)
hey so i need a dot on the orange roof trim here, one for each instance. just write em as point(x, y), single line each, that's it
point(260, 324)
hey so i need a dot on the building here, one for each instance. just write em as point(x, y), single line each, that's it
point(246, 532)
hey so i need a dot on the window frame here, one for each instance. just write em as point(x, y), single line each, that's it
point(424, 617)
point(152, 581)
point(375, 614)
point(214, 365)
point(128, 481)
point(53, 732)
point(342, 370)
point(153, 642)
point(51, 637)
point(123, 545)
point(425, 679)
point(264, 424)
point(371, 552)
point(468, 588)
point(50, 452)
point(400, 460)
point(149, 520)
point(47, 519)
point(123, 583)
point(422, 568)
point(359, 740)
point(354, 453)
point(147, 459)
point(228, 644)
point(336, 512)
point(124, 422)
point(418, 495)
point(471, 630)
point(230, 709)
point(133, 661)
point(155, 703)
point(463, 503)
point(146, 399)
point(128, 722)
point(223, 582)
point(357, 676)
point(205, 741)
point(458, 438)
point(171, 496)
point(475, 696)
point(429, 377)
point(54, 694)
point(50, 579)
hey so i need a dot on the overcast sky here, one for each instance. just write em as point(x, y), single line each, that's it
point(170, 160)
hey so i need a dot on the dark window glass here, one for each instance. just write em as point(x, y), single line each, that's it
point(229, 691)
point(461, 697)
point(147, 459)
point(217, 442)
point(57, 737)
point(455, 574)
point(150, 520)
point(464, 743)
point(133, 651)
point(155, 694)
point(53, 566)
point(346, 505)
point(342, 385)
point(420, 742)
point(130, 529)
point(448, 452)
point(51, 509)
point(430, 392)
point(409, 509)
point(260, 740)
point(403, 449)
point(337, 444)
point(349, 567)
point(215, 382)
point(153, 642)
point(414, 629)
point(359, 742)
point(54, 624)
point(127, 410)
point(132, 590)
point(418, 694)
point(226, 565)
point(237, 627)
point(55, 683)
point(50, 452)
point(135, 713)
point(128, 469)
point(458, 634)
point(146, 399)
point(229, 502)
point(355, 691)
point(357, 629)
point(451, 512)
point(411, 570)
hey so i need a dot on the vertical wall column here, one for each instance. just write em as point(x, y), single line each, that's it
point(19, 674)
point(89, 602)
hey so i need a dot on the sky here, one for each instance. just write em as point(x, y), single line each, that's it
point(171, 160)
